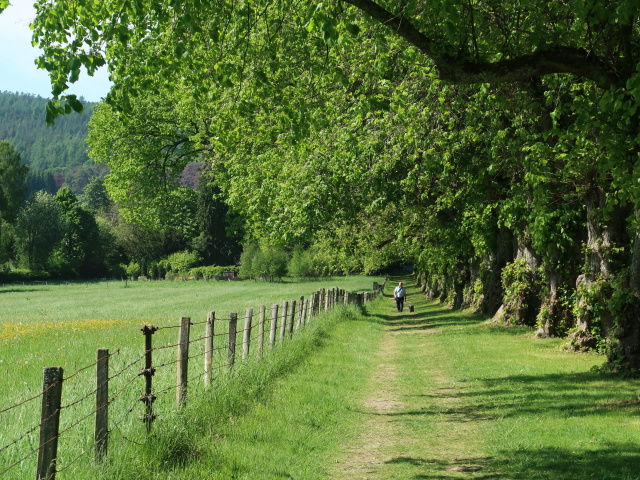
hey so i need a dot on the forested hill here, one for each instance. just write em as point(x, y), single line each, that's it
point(56, 148)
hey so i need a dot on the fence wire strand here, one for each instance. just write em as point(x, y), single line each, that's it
point(31, 398)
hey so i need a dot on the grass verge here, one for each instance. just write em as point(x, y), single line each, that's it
point(281, 418)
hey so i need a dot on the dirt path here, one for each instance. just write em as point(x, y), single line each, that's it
point(413, 426)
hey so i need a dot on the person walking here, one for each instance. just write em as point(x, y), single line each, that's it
point(399, 294)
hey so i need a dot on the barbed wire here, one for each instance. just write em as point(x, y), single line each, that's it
point(81, 399)
point(29, 454)
point(116, 425)
point(20, 438)
point(32, 452)
point(141, 357)
point(92, 365)
point(31, 398)
point(127, 385)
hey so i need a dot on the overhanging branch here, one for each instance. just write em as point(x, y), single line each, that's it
point(557, 59)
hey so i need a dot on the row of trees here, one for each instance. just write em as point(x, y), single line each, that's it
point(494, 144)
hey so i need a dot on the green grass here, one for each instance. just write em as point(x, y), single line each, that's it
point(455, 398)
point(63, 325)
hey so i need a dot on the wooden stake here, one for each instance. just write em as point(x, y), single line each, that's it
point(101, 431)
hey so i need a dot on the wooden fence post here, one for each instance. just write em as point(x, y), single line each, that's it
point(101, 431)
point(300, 312)
point(285, 313)
point(246, 337)
point(231, 355)
point(312, 306)
point(292, 316)
point(274, 324)
point(182, 370)
point(303, 313)
point(148, 398)
point(208, 347)
point(49, 423)
point(263, 309)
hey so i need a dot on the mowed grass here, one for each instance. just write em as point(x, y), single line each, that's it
point(64, 325)
point(477, 400)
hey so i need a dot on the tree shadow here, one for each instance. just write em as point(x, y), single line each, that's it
point(619, 461)
point(22, 290)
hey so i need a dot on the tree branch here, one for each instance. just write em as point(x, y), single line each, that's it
point(557, 59)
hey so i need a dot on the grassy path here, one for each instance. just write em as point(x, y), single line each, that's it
point(409, 428)
point(451, 396)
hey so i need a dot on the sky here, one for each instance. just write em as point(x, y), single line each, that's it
point(18, 72)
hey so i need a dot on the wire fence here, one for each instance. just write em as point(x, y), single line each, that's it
point(63, 433)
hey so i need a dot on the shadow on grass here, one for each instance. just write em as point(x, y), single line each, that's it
point(585, 397)
point(458, 467)
point(426, 316)
point(615, 462)
point(22, 290)
point(556, 395)
point(620, 461)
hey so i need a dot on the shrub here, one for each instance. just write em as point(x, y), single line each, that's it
point(182, 262)
point(133, 270)
point(307, 264)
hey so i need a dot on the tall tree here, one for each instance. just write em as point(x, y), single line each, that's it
point(80, 246)
point(38, 231)
point(217, 243)
point(13, 176)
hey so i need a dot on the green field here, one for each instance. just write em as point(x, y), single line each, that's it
point(64, 325)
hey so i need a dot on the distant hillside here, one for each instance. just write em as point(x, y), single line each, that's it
point(56, 155)
point(22, 122)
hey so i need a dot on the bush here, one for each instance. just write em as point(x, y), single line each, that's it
point(271, 263)
point(307, 264)
point(247, 260)
point(182, 262)
point(163, 267)
point(9, 275)
point(133, 270)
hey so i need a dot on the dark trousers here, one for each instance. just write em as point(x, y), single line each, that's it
point(400, 303)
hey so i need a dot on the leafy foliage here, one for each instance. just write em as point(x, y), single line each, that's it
point(426, 132)
point(13, 175)
point(39, 229)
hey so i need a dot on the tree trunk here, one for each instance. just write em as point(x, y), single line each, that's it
point(555, 319)
point(522, 306)
point(605, 260)
point(492, 290)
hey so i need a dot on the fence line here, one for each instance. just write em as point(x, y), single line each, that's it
point(293, 317)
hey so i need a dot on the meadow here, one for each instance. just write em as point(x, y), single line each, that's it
point(64, 324)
